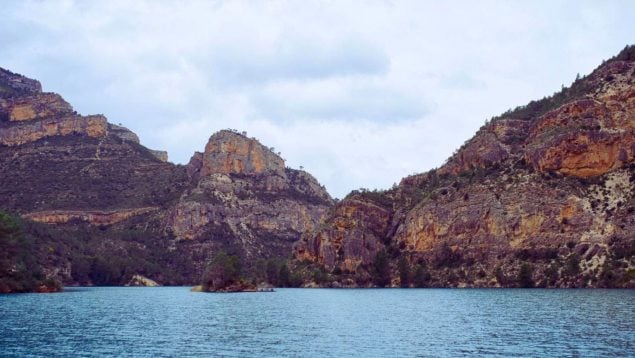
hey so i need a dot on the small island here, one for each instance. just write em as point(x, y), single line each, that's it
point(224, 274)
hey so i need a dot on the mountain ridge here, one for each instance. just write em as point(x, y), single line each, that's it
point(543, 195)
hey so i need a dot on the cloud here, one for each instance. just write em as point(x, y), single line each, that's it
point(359, 94)
point(339, 99)
point(295, 58)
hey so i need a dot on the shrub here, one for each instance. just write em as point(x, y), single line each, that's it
point(501, 278)
point(421, 276)
point(273, 270)
point(319, 276)
point(284, 276)
point(572, 265)
point(404, 272)
point(525, 276)
point(105, 271)
point(446, 257)
point(381, 269)
point(222, 271)
point(20, 270)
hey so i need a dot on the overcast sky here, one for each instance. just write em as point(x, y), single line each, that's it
point(360, 93)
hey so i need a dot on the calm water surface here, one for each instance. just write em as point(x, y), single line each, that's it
point(171, 321)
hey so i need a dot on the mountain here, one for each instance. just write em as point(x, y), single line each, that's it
point(540, 196)
point(105, 208)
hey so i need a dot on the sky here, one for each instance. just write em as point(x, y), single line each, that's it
point(358, 93)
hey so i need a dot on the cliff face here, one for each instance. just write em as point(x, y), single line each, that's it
point(242, 195)
point(228, 152)
point(542, 195)
point(106, 208)
point(351, 236)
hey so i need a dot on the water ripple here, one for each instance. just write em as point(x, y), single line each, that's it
point(171, 321)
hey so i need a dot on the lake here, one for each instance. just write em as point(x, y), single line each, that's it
point(172, 321)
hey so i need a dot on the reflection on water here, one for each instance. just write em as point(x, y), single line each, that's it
point(171, 321)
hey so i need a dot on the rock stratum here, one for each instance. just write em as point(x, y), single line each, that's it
point(107, 209)
point(540, 196)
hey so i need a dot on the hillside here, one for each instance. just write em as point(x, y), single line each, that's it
point(540, 196)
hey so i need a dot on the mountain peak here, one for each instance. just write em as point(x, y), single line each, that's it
point(231, 152)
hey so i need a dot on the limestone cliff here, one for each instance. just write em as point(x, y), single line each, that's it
point(542, 195)
point(243, 197)
point(229, 152)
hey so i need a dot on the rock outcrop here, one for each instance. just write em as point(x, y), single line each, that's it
point(123, 133)
point(13, 83)
point(548, 188)
point(142, 281)
point(352, 236)
point(28, 115)
point(91, 126)
point(40, 105)
point(229, 152)
point(161, 155)
point(242, 192)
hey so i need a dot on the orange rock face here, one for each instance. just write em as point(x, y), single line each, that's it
point(351, 237)
point(587, 137)
point(586, 154)
point(41, 105)
point(31, 131)
point(228, 152)
point(93, 217)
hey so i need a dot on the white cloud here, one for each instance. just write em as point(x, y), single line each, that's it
point(360, 94)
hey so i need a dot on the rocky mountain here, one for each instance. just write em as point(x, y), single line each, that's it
point(106, 208)
point(244, 200)
point(540, 196)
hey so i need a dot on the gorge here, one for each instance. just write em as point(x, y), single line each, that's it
point(540, 196)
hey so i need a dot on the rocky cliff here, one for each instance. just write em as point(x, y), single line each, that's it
point(106, 208)
point(542, 195)
point(243, 197)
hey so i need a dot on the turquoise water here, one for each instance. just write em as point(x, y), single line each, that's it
point(171, 321)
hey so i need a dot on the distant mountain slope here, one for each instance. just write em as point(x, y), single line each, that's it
point(542, 195)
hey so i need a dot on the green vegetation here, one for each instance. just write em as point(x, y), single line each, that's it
point(525, 276)
point(222, 271)
point(446, 257)
point(20, 270)
point(381, 269)
point(421, 276)
point(572, 265)
point(280, 273)
point(404, 272)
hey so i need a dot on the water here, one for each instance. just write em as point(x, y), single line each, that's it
point(171, 321)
